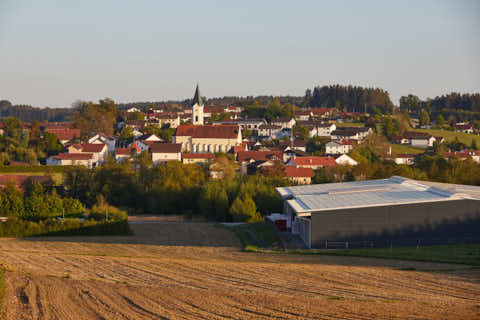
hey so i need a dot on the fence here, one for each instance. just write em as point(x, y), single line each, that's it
point(388, 243)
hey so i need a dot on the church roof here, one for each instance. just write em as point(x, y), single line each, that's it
point(208, 131)
point(197, 99)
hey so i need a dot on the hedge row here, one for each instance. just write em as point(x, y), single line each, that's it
point(41, 168)
point(18, 228)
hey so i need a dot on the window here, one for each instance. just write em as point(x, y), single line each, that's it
point(196, 118)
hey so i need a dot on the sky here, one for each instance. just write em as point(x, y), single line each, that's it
point(54, 52)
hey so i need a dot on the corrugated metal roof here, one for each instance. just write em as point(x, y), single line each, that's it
point(358, 194)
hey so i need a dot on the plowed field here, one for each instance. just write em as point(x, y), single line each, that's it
point(196, 271)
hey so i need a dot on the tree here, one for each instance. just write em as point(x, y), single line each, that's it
point(92, 118)
point(35, 205)
point(424, 118)
point(12, 128)
point(473, 145)
point(126, 133)
point(301, 132)
point(440, 121)
point(243, 209)
point(390, 127)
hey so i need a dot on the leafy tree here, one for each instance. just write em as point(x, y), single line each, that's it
point(12, 202)
point(302, 132)
point(390, 127)
point(424, 118)
point(135, 115)
point(243, 209)
point(92, 118)
point(440, 121)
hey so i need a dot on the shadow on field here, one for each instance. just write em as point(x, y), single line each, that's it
point(162, 233)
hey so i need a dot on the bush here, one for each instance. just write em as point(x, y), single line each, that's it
point(99, 213)
point(16, 227)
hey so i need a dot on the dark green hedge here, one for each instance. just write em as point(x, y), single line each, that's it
point(49, 169)
point(18, 228)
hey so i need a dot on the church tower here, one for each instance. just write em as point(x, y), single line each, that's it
point(197, 108)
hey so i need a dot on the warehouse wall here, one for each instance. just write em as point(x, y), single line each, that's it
point(448, 220)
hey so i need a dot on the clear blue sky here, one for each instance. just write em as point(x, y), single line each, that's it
point(55, 52)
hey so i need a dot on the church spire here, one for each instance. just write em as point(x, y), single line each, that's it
point(197, 99)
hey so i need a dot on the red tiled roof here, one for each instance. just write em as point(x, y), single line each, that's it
point(73, 156)
point(293, 172)
point(64, 134)
point(198, 156)
point(93, 147)
point(166, 147)
point(208, 131)
point(258, 155)
point(314, 161)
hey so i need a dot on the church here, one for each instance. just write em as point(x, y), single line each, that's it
point(201, 138)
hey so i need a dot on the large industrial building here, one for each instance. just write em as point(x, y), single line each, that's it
point(395, 211)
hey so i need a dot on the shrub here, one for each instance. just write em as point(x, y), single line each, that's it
point(16, 227)
point(100, 212)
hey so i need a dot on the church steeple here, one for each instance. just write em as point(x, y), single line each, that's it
point(197, 99)
point(197, 108)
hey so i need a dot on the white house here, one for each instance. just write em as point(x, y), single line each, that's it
point(284, 122)
point(71, 159)
point(101, 138)
point(345, 160)
point(99, 151)
point(338, 147)
point(404, 158)
point(133, 109)
point(271, 131)
point(162, 152)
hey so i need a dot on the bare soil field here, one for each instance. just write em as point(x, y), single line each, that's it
point(175, 270)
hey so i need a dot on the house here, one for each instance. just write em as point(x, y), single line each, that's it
point(270, 131)
point(188, 158)
point(98, 151)
point(351, 133)
point(207, 138)
point(420, 139)
point(299, 175)
point(72, 159)
point(298, 144)
point(320, 113)
point(133, 109)
point(284, 123)
point(313, 162)
point(149, 137)
point(462, 127)
point(377, 211)
point(464, 154)
point(162, 152)
point(338, 147)
point(122, 154)
point(404, 158)
point(245, 124)
point(303, 115)
point(250, 156)
point(168, 119)
point(64, 135)
point(101, 138)
point(318, 128)
point(345, 160)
